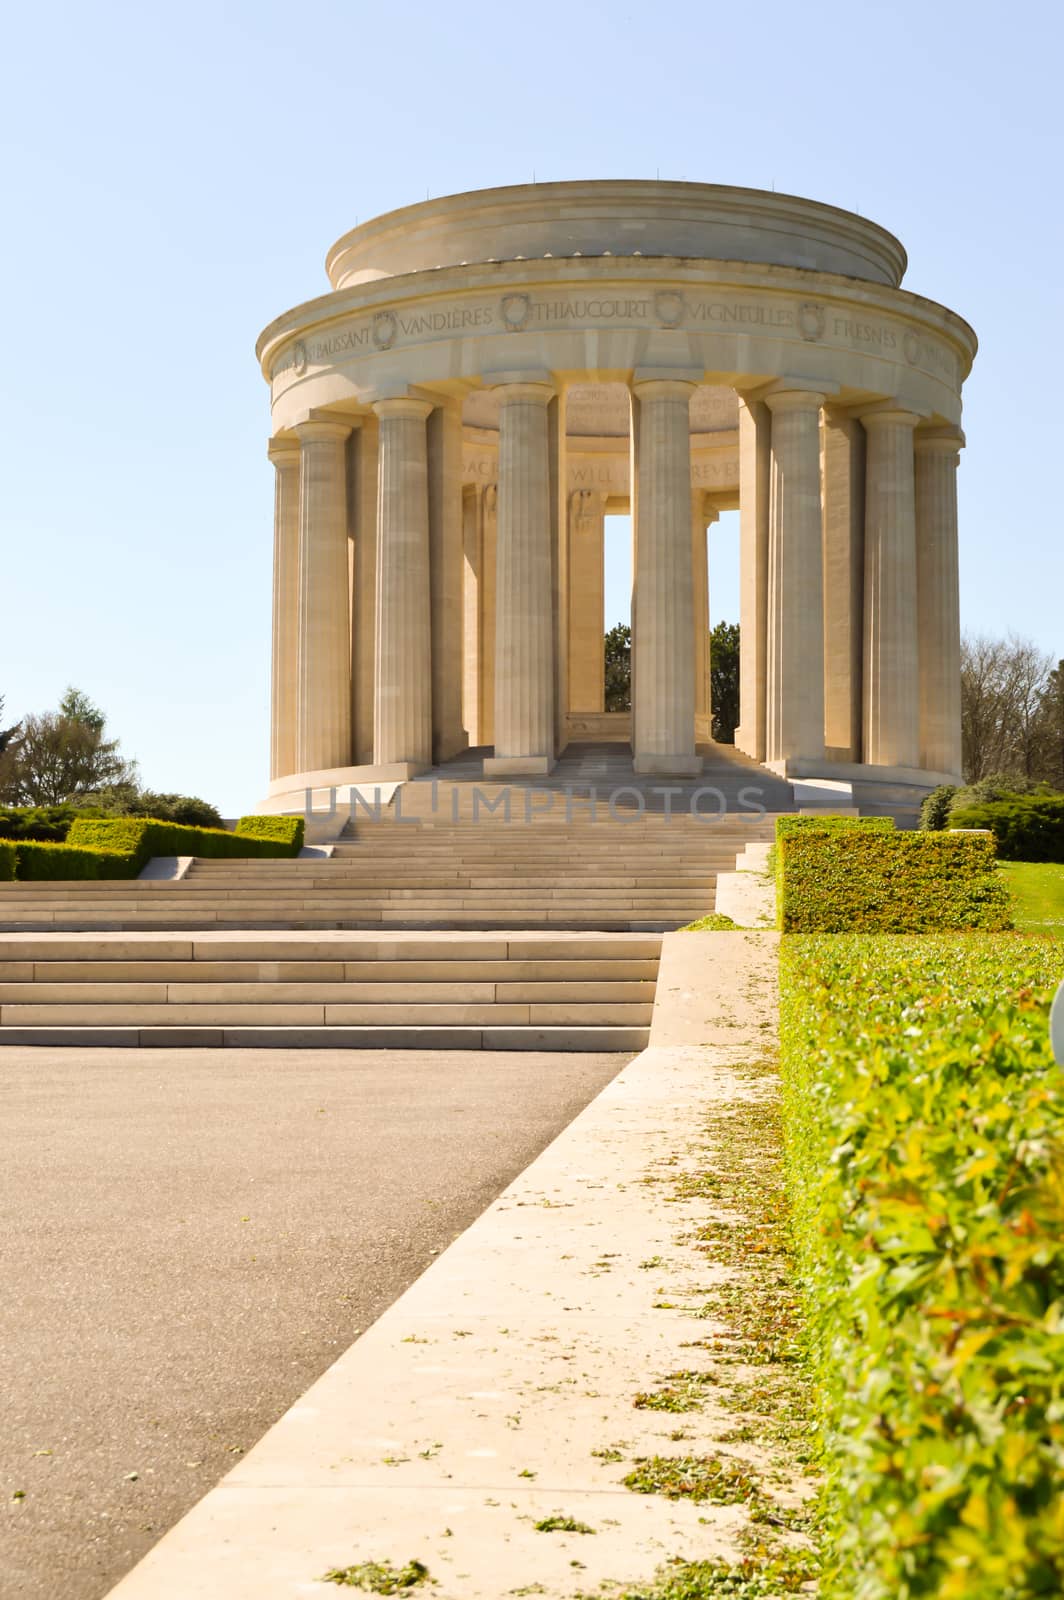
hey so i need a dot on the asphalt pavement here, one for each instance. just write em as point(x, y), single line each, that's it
point(190, 1237)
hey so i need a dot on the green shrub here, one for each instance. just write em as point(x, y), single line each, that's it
point(37, 860)
point(857, 879)
point(924, 1136)
point(1025, 827)
point(283, 830)
point(8, 858)
point(935, 808)
point(50, 823)
point(787, 826)
point(142, 838)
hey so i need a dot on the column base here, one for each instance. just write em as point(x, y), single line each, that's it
point(517, 766)
point(668, 766)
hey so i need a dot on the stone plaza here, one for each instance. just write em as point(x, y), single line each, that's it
point(493, 373)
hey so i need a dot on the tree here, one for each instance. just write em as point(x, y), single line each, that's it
point(1049, 731)
point(618, 647)
point(1003, 685)
point(724, 680)
point(7, 734)
point(62, 755)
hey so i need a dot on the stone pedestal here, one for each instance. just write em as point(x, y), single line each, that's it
point(285, 658)
point(402, 723)
point(938, 598)
point(891, 668)
point(524, 616)
point(794, 722)
point(663, 688)
point(323, 693)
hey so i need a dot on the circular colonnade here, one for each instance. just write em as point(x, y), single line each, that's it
point(494, 372)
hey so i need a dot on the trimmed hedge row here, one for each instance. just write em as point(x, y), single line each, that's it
point(120, 847)
point(1025, 827)
point(8, 859)
point(924, 1139)
point(844, 875)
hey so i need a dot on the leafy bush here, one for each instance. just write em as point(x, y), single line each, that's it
point(143, 837)
point(1025, 828)
point(8, 857)
point(37, 860)
point(924, 1133)
point(935, 808)
point(853, 879)
point(283, 830)
point(50, 823)
point(996, 786)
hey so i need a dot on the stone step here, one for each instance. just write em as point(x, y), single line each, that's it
point(252, 1014)
point(403, 991)
point(288, 945)
point(324, 972)
point(576, 1036)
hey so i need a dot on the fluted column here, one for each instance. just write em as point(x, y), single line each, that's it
point(794, 720)
point(938, 599)
point(285, 664)
point(755, 424)
point(524, 624)
point(663, 701)
point(891, 668)
point(323, 738)
point(842, 478)
point(703, 515)
point(402, 717)
point(586, 516)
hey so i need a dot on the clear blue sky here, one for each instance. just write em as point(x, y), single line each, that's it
point(174, 176)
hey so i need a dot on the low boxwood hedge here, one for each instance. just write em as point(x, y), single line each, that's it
point(924, 1134)
point(38, 859)
point(8, 858)
point(1025, 827)
point(863, 877)
point(120, 847)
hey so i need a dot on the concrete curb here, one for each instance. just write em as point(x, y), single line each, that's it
point(496, 1390)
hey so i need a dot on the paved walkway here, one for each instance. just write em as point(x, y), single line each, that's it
point(191, 1237)
point(622, 1308)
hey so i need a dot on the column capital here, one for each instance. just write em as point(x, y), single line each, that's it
point(402, 405)
point(283, 452)
point(885, 412)
point(321, 428)
point(523, 391)
point(664, 388)
point(939, 441)
point(780, 400)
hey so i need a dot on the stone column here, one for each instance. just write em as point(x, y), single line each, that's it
point(794, 720)
point(891, 667)
point(842, 464)
point(938, 599)
point(402, 721)
point(524, 623)
point(362, 551)
point(445, 546)
point(285, 673)
point(755, 426)
point(323, 739)
point(587, 531)
point(703, 515)
point(663, 699)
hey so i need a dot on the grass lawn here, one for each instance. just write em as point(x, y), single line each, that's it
point(1037, 889)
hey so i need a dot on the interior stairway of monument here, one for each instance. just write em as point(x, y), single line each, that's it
point(420, 922)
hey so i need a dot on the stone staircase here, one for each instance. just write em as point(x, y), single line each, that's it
point(470, 991)
point(489, 913)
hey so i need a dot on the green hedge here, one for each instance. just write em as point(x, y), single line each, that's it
point(1025, 827)
point(38, 859)
point(786, 827)
point(868, 879)
point(8, 858)
point(39, 822)
point(282, 830)
point(924, 1136)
